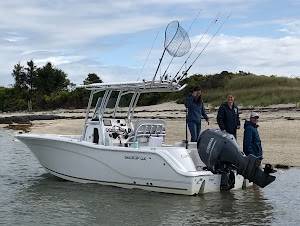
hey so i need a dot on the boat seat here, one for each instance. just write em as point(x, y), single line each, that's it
point(155, 141)
point(146, 128)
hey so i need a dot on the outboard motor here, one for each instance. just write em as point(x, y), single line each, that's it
point(219, 150)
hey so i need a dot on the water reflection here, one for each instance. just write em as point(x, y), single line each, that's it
point(93, 204)
point(243, 207)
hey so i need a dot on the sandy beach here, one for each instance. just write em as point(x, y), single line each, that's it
point(278, 127)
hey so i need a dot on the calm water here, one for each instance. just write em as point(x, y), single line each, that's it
point(29, 196)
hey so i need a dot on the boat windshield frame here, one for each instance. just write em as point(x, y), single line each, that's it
point(135, 88)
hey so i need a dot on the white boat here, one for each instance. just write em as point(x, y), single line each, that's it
point(114, 149)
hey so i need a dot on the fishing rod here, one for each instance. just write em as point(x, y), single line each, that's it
point(148, 56)
point(161, 78)
point(211, 24)
point(186, 130)
point(186, 71)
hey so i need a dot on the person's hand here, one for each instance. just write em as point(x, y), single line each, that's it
point(238, 127)
point(207, 120)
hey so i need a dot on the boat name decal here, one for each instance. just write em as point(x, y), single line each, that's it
point(135, 157)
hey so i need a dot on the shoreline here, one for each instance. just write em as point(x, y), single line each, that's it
point(278, 127)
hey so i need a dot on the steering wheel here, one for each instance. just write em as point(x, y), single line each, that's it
point(119, 130)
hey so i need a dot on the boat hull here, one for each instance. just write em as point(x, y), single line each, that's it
point(163, 169)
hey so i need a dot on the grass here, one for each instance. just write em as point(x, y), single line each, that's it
point(255, 90)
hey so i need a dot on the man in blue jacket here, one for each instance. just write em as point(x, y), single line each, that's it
point(252, 142)
point(228, 116)
point(195, 107)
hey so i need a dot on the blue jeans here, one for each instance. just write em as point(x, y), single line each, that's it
point(195, 129)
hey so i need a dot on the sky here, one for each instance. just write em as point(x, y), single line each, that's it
point(123, 40)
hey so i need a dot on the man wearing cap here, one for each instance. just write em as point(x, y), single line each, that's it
point(252, 142)
point(196, 110)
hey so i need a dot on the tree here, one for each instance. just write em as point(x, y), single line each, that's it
point(31, 75)
point(92, 78)
point(19, 76)
point(50, 79)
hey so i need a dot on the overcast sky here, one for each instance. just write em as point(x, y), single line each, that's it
point(123, 40)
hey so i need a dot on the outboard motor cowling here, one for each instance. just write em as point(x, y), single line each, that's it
point(217, 148)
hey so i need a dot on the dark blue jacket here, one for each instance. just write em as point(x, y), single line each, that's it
point(195, 108)
point(228, 119)
point(252, 142)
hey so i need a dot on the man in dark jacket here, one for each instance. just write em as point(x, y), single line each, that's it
point(228, 116)
point(252, 142)
point(195, 106)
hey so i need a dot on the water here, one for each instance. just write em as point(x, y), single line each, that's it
point(29, 196)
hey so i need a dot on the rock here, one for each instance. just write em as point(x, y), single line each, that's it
point(24, 127)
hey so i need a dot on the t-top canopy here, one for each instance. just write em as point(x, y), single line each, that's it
point(136, 86)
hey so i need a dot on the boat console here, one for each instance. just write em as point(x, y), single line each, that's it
point(111, 132)
point(118, 132)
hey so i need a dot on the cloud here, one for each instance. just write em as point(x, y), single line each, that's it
point(251, 54)
point(114, 38)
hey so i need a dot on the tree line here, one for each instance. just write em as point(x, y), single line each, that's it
point(43, 88)
point(47, 88)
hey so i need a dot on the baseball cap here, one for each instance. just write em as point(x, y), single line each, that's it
point(254, 115)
